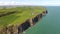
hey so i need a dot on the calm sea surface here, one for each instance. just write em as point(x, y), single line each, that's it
point(50, 24)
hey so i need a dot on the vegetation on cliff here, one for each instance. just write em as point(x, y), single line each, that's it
point(18, 15)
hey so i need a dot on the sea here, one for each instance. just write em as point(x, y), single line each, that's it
point(49, 24)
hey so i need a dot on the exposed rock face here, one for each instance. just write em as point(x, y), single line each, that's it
point(23, 26)
point(15, 29)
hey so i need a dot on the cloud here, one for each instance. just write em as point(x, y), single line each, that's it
point(9, 3)
point(42, 3)
point(50, 3)
point(15, 3)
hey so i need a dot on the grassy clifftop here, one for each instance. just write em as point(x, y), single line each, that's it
point(17, 15)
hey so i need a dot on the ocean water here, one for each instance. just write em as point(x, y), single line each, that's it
point(50, 24)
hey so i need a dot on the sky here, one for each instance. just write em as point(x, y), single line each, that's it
point(31, 2)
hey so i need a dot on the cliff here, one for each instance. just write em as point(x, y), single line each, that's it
point(16, 20)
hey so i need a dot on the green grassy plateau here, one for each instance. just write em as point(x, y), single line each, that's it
point(19, 15)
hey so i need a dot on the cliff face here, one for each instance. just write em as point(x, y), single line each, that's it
point(18, 29)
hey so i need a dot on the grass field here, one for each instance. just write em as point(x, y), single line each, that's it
point(21, 14)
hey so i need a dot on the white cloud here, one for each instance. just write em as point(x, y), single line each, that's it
point(9, 3)
point(50, 3)
point(43, 3)
point(15, 3)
